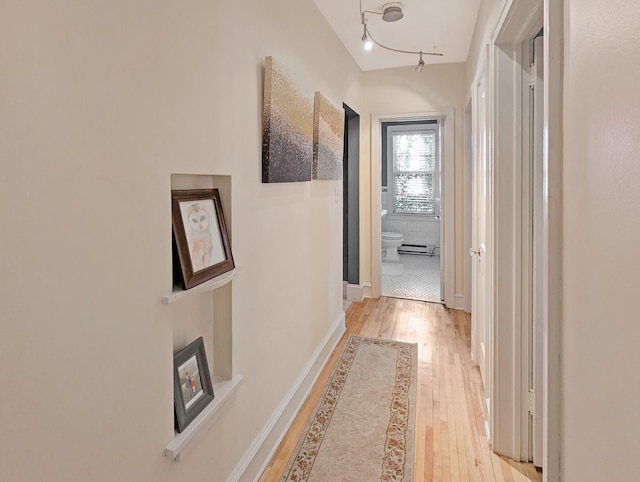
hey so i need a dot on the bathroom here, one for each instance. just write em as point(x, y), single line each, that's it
point(410, 202)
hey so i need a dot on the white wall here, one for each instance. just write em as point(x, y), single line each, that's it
point(101, 102)
point(601, 238)
point(403, 90)
point(486, 22)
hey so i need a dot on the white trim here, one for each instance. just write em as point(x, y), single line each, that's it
point(212, 284)
point(484, 333)
point(366, 290)
point(256, 458)
point(448, 196)
point(423, 218)
point(354, 292)
point(506, 286)
point(434, 129)
point(468, 194)
point(460, 301)
point(552, 333)
point(178, 448)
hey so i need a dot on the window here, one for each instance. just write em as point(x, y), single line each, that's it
point(413, 171)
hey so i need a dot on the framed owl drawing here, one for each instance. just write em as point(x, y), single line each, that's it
point(201, 242)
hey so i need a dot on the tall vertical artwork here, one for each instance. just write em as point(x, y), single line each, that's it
point(328, 139)
point(287, 135)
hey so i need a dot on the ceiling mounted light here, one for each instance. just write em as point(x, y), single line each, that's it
point(420, 65)
point(392, 12)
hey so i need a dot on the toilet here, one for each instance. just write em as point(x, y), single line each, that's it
point(390, 244)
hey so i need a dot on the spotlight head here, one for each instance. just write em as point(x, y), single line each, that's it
point(420, 65)
point(366, 41)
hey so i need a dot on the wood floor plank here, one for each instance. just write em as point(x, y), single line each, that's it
point(450, 443)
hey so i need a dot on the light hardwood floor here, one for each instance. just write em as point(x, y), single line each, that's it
point(450, 441)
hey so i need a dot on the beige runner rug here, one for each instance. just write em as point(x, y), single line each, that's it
point(362, 428)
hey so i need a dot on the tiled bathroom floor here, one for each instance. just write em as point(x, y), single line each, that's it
point(417, 278)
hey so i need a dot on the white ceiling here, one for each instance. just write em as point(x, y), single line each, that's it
point(444, 26)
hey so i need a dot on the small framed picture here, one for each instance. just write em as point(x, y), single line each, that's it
point(192, 383)
point(200, 234)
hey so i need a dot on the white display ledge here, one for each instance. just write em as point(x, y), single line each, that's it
point(223, 391)
point(210, 285)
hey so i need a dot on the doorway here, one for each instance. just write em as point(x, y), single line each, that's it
point(350, 204)
point(445, 119)
point(410, 199)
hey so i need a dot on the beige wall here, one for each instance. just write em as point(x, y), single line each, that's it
point(601, 237)
point(403, 90)
point(101, 102)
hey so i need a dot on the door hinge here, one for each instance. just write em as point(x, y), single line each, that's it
point(532, 401)
point(533, 76)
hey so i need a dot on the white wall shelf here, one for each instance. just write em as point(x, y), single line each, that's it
point(210, 285)
point(223, 391)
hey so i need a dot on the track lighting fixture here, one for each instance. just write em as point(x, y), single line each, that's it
point(391, 12)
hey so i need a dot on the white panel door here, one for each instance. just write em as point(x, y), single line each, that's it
point(479, 289)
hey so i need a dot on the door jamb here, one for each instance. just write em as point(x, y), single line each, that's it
point(468, 114)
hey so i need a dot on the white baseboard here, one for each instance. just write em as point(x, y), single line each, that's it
point(354, 293)
point(366, 290)
point(459, 303)
point(256, 458)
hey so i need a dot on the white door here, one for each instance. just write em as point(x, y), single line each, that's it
point(536, 383)
point(481, 326)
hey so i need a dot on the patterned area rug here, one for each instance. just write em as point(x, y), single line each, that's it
point(362, 428)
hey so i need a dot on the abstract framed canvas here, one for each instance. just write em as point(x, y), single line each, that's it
point(202, 244)
point(287, 133)
point(193, 389)
point(328, 139)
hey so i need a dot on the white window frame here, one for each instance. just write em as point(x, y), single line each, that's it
point(411, 128)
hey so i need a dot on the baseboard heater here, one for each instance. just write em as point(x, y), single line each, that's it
point(426, 249)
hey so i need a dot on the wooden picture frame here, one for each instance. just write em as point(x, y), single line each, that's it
point(200, 233)
point(193, 389)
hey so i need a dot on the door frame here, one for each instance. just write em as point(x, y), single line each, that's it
point(468, 169)
point(351, 203)
point(447, 208)
point(519, 21)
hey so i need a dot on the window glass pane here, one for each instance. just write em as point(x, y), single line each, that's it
point(414, 193)
point(414, 152)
